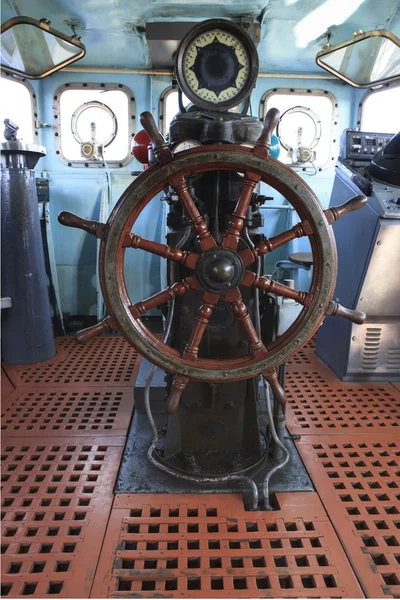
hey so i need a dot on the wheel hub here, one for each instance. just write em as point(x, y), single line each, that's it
point(220, 269)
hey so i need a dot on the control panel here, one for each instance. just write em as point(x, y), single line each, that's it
point(386, 201)
point(361, 145)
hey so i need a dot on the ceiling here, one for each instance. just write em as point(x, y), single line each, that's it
point(292, 31)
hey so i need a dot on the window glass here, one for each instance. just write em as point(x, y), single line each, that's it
point(16, 105)
point(171, 108)
point(380, 111)
point(309, 124)
point(101, 116)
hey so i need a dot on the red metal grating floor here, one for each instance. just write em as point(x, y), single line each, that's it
point(64, 533)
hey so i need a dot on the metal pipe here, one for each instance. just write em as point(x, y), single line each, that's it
point(171, 72)
point(278, 442)
point(277, 206)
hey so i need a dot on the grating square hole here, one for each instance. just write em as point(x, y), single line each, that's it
point(308, 581)
point(172, 528)
point(62, 566)
point(151, 545)
point(259, 561)
point(322, 561)
point(390, 579)
point(280, 561)
point(263, 583)
point(330, 581)
point(38, 567)
point(237, 563)
point(215, 563)
point(173, 545)
point(29, 589)
point(302, 561)
point(236, 545)
point(296, 543)
point(286, 582)
point(124, 585)
point(214, 544)
point(212, 527)
point(5, 589)
point(14, 568)
point(172, 563)
point(193, 563)
point(240, 583)
point(69, 548)
point(192, 545)
point(148, 585)
point(253, 544)
point(171, 584)
point(55, 587)
point(193, 528)
point(150, 564)
point(379, 559)
point(194, 583)
point(217, 583)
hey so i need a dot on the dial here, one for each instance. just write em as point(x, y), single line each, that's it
point(217, 65)
point(186, 145)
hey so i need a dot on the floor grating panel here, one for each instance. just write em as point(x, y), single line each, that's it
point(104, 361)
point(358, 480)
point(318, 405)
point(209, 547)
point(72, 410)
point(56, 500)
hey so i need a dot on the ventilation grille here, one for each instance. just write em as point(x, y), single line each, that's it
point(370, 354)
point(393, 360)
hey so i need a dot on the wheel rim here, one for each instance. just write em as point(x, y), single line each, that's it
point(196, 161)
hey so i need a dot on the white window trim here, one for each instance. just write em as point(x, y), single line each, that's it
point(161, 107)
point(84, 162)
point(311, 92)
point(369, 93)
point(25, 83)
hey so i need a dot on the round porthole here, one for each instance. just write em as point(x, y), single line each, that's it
point(94, 125)
point(299, 131)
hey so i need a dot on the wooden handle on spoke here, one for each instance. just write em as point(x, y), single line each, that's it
point(277, 389)
point(270, 122)
point(85, 335)
point(179, 383)
point(335, 212)
point(93, 227)
point(160, 146)
point(337, 310)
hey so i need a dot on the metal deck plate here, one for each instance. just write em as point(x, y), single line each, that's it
point(137, 475)
point(174, 546)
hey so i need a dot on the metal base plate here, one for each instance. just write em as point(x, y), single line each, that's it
point(138, 475)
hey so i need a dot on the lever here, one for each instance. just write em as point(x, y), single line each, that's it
point(335, 212)
point(179, 383)
point(337, 310)
point(160, 147)
point(85, 335)
point(270, 122)
point(93, 227)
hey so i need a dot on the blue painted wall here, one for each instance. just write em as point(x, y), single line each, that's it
point(78, 189)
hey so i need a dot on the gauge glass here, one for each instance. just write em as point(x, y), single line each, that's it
point(216, 66)
point(186, 145)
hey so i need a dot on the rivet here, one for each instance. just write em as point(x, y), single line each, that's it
point(354, 338)
point(379, 242)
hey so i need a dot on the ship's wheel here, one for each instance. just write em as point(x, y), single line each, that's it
point(219, 270)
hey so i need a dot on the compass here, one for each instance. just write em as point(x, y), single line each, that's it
point(216, 65)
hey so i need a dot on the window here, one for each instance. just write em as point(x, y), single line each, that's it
point(379, 110)
point(306, 128)
point(18, 103)
point(94, 124)
point(169, 107)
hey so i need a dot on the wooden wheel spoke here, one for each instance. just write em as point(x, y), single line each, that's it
point(239, 310)
point(235, 226)
point(178, 183)
point(177, 289)
point(251, 279)
point(202, 318)
point(189, 259)
point(250, 255)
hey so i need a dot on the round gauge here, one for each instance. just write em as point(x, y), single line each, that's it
point(186, 145)
point(217, 65)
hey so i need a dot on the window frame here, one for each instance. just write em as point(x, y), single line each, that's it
point(90, 162)
point(333, 148)
point(368, 93)
point(162, 107)
point(32, 94)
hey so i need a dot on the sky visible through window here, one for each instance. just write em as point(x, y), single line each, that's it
point(16, 105)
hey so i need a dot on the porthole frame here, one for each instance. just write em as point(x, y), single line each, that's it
point(91, 162)
point(35, 118)
point(334, 145)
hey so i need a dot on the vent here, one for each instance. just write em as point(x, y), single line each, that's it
point(393, 360)
point(371, 348)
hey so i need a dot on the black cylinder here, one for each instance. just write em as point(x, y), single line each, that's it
point(27, 331)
